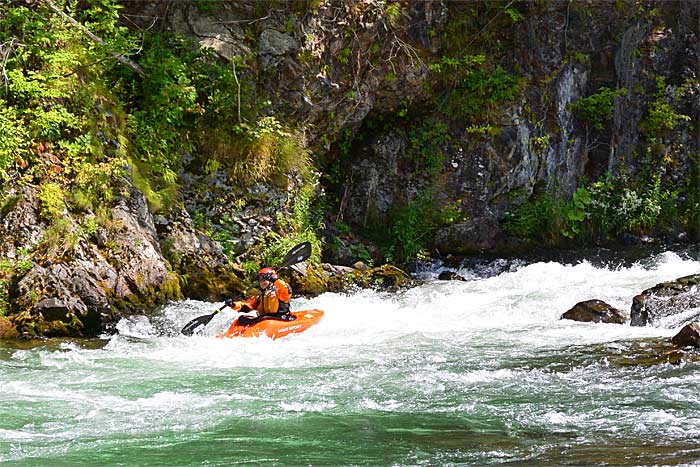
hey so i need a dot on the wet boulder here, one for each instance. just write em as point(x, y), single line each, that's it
point(689, 336)
point(595, 311)
point(669, 304)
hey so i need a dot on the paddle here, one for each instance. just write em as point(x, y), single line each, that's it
point(296, 255)
point(201, 321)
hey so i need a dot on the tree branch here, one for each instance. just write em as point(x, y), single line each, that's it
point(119, 57)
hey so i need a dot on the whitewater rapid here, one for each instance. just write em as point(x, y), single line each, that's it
point(447, 373)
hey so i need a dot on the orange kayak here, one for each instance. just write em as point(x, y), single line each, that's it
point(274, 328)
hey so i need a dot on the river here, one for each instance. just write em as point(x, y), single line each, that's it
point(472, 373)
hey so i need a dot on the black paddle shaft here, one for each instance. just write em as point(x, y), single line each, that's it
point(299, 253)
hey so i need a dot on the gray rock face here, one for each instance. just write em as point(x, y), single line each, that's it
point(331, 65)
point(596, 311)
point(20, 226)
point(669, 304)
point(273, 46)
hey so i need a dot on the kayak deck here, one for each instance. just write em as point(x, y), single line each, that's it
point(274, 328)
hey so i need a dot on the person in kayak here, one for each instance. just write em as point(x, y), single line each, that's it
point(271, 303)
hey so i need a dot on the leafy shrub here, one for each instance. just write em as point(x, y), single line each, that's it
point(597, 109)
point(14, 140)
point(602, 210)
point(266, 151)
point(661, 117)
point(411, 226)
point(57, 110)
point(393, 13)
point(426, 151)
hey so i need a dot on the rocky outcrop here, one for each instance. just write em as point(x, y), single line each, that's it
point(596, 311)
point(316, 59)
point(79, 284)
point(669, 304)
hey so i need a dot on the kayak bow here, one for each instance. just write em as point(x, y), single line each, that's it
point(274, 328)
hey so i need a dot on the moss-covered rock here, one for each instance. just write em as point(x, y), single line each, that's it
point(385, 277)
point(307, 279)
point(7, 329)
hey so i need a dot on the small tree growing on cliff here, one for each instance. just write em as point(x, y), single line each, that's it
point(596, 110)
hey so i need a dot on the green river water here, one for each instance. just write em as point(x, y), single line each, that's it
point(472, 373)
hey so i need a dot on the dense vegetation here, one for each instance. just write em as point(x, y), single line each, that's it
point(81, 127)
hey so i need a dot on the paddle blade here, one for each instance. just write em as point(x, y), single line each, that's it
point(196, 323)
point(299, 253)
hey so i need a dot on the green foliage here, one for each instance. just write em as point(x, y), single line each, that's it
point(451, 213)
point(409, 228)
point(167, 102)
point(619, 206)
point(52, 201)
point(580, 57)
point(426, 151)
point(304, 225)
point(540, 143)
point(277, 246)
point(344, 55)
point(56, 116)
point(597, 109)
point(478, 88)
point(537, 219)
point(14, 140)
point(60, 239)
point(661, 117)
point(514, 14)
point(603, 210)
point(266, 151)
point(574, 213)
point(393, 13)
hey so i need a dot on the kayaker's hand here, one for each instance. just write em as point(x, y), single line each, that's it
point(229, 302)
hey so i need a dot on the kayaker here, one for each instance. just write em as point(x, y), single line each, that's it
point(271, 303)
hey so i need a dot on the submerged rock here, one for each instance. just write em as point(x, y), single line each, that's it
point(669, 304)
point(595, 311)
point(450, 276)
